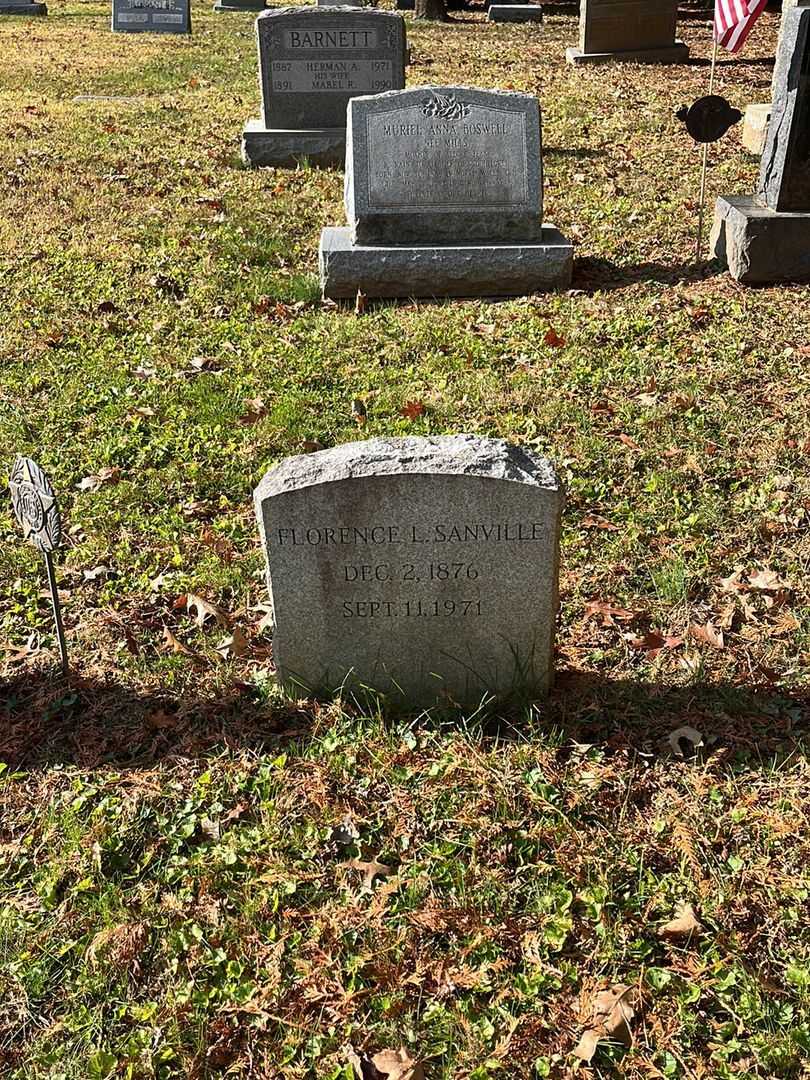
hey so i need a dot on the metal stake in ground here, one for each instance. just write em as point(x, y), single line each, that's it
point(35, 507)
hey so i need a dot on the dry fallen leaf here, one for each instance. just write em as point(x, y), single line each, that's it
point(708, 635)
point(610, 1016)
point(767, 581)
point(370, 871)
point(386, 1065)
point(118, 946)
point(111, 474)
point(201, 609)
point(359, 411)
point(689, 734)
point(256, 411)
point(175, 645)
point(553, 339)
point(411, 410)
point(607, 612)
point(235, 645)
point(685, 925)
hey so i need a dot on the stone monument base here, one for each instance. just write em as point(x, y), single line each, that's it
point(758, 245)
point(23, 9)
point(512, 269)
point(289, 146)
point(678, 53)
point(504, 13)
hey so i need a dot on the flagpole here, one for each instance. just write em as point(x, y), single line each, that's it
point(704, 165)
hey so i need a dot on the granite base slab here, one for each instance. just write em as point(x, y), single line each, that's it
point(290, 146)
point(250, 6)
point(761, 246)
point(512, 13)
point(390, 270)
point(23, 9)
point(678, 53)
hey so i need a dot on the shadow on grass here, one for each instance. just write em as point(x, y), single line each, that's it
point(604, 275)
point(46, 721)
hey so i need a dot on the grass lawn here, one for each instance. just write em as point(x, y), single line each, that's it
point(198, 879)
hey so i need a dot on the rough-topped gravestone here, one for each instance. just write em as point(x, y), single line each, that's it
point(636, 31)
point(423, 568)
point(443, 197)
point(151, 16)
point(312, 62)
point(766, 237)
point(253, 6)
point(22, 7)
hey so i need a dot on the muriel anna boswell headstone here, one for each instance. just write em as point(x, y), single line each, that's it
point(151, 16)
point(630, 31)
point(423, 568)
point(312, 61)
point(765, 238)
point(444, 197)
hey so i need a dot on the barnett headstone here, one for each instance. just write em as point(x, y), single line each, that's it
point(312, 62)
point(151, 16)
point(634, 31)
point(423, 568)
point(765, 238)
point(444, 197)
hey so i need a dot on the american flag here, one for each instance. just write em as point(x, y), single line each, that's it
point(733, 21)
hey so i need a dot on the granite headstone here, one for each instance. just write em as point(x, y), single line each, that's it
point(151, 16)
point(765, 238)
point(443, 197)
point(312, 62)
point(22, 7)
point(423, 568)
point(638, 31)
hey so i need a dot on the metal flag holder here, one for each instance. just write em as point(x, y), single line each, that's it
point(37, 511)
point(707, 121)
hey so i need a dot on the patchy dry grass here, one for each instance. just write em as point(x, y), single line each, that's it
point(175, 899)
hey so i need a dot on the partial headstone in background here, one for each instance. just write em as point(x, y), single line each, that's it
point(765, 238)
point(423, 568)
point(443, 197)
point(22, 7)
point(344, 3)
point(151, 16)
point(509, 13)
point(755, 127)
point(249, 6)
point(633, 31)
point(312, 61)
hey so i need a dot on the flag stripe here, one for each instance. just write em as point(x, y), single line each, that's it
point(734, 20)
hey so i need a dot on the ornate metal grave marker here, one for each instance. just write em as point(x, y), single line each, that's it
point(36, 509)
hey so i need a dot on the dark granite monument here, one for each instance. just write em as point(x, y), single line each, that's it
point(151, 16)
point(312, 61)
point(22, 7)
point(765, 238)
point(633, 31)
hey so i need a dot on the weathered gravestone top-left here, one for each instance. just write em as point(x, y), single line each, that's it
point(151, 16)
point(423, 568)
point(312, 62)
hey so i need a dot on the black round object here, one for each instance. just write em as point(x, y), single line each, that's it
point(709, 118)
